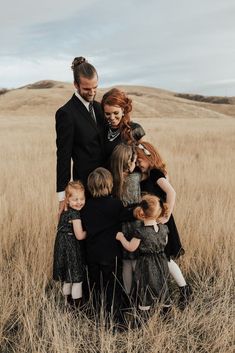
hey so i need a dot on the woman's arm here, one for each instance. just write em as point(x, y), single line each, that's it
point(170, 193)
point(80, 234)
point(131, 245)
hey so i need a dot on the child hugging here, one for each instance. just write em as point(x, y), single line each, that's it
point(150, 238)
point(155, 181)
point(68, 264)
point(101, 217)
point(127, 189)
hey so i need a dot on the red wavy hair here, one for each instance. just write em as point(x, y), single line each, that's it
point(118, 98)
point(150, 154)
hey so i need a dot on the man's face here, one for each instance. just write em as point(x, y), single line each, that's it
point(87, 88)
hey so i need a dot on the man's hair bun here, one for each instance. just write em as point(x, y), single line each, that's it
point(78, 61)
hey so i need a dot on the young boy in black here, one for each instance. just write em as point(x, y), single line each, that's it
point(101, 217)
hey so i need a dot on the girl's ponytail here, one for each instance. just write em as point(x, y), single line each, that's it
point(164, 209)
point(151, 206)
point(139, 213)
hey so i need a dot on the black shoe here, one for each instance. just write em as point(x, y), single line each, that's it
point(185, 296)
point(73, 304)
point(69, 300)
point(165, 311)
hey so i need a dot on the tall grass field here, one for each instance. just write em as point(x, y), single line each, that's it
point(200, 155)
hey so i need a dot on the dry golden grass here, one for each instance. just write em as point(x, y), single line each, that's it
point(200, 157)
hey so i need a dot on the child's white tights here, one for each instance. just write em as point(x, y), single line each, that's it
point(129, 269)
point(176, 273)
point(75, 289)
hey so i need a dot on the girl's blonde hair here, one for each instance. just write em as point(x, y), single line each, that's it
point(149, 153)
point(73, 185)
point(151, 207)
point(121, 158)
point(100, 182)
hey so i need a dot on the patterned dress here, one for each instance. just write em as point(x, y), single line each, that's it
point(68, 260)
point(132, 197)
point(151, 272)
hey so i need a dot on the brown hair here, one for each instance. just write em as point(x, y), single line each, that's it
point(100, 182)
point(148, 152)
point(117, 98)
point(121, 158)
point(151, 207)
point(81, 67)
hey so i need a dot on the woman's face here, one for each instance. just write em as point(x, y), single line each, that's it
point(113, 115)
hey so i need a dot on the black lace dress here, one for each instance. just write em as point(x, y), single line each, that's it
point(174, 247)
point(151, 271)
point(68, 258)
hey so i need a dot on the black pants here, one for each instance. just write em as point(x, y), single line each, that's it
point(105, 284)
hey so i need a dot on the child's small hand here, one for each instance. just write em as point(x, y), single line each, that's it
point(119, 236)
point(163, 220)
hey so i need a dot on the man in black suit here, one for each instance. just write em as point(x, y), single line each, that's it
point(79, 129)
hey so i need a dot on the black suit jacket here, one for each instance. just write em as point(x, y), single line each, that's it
point(79, 139)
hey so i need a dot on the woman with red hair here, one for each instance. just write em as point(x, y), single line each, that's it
point(117, 107)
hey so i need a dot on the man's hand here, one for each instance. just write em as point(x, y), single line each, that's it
point(62, 207)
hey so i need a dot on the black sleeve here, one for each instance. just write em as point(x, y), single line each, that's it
point(126, 214)
point(156, 174)
point(138, 234)
point(137, 131)
point(64, 143)
point(74, 214)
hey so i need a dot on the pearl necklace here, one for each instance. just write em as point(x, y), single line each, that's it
point(113, 134)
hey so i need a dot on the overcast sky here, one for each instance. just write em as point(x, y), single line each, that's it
point(179, 45)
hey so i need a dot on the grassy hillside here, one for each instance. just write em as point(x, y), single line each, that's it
point(198, 144)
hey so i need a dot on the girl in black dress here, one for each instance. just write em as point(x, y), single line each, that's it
point(150, 238)
point(68, 264)
point(155, 181)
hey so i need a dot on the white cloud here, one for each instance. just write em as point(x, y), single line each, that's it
point(28, 12)
point(20, 72)
point(182, 46)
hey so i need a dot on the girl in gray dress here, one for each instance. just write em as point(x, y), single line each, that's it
point(126, 187)
point(151, 271)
